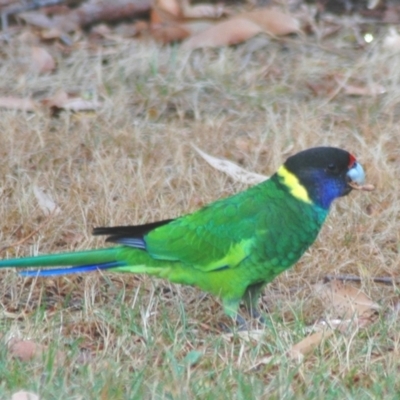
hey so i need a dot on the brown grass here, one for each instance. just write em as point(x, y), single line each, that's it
point(132, 162)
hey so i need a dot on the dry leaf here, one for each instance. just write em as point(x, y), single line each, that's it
point(209, 11)
point(15, 103)
point(171, 8)
point(273, 21)
point(29, 38)
point(357, 88)
point(266, 361)
point(309, 343)
point(179, 10)
point(391, 41)
point(52, 33)
point(102, 30)
point(79, 104)
point(345, 301)
point(372, 89)
point(37, 18)
point(22, 395)
point(235, 172)
point(24, 350)
point(65, 101)
point(170, 33)
point(173, 32)
point(41, 60)
point(242, 27)
point(173, 20)
point(46, 202)
point(232, 31)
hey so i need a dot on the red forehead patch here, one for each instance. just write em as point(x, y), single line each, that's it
point(352, 160)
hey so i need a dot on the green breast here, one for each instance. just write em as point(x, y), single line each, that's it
point(285, 230)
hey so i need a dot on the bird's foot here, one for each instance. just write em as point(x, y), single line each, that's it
point(240, 325)
point(254, 313)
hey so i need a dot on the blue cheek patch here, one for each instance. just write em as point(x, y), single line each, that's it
point(329, 190)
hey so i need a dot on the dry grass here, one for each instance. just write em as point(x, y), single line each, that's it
point(132, 162)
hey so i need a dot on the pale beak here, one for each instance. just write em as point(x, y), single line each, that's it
point(356, 174)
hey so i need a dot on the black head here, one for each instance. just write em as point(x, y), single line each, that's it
point(325, 173)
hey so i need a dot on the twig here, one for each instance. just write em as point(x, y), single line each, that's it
point(387, 280)
point(30, 5)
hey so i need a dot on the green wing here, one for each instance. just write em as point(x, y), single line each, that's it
point(218, 236)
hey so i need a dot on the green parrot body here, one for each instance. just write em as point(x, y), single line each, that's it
point(232, 247)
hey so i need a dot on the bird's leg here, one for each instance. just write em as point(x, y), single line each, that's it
point(231, 307)
point(241, 323)
point(250, 299)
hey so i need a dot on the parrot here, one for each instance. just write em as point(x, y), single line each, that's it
point(230, 248)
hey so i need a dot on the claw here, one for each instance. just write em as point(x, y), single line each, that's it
point(254, 313)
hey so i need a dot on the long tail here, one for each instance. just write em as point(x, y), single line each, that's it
point(77, 262)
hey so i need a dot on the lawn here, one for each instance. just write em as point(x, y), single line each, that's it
point(115, 336)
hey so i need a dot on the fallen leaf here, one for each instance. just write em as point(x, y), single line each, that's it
point(391, 41)
point(132, 30)
point(309, 343)
point(273, 21)
point(29, 38)
point(65, 101)
point(15, 103)
point(166, 10)
point(173, 20)
point(102, 30)
point(181, 10)
point(46, 202)
point(235, 172)
point(267, 360)
point(242, 27)
point(326, 86)
point(52, 33)
point(199, 11)
point(67, 22)
point(24, 350)
point(345, 301)
point(37, 18)
point(79, 104)
point(57, 100)
point(232, 31)
point(22, 395)
point(41, 60)
point(372, 89)
point(168, 33)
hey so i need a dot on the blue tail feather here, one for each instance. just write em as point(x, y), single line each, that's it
point(71, 270)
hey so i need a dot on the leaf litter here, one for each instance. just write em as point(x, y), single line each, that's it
point(24, 395)
point(231, 169)
point(348, 302)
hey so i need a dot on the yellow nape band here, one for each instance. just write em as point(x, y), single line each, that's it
point(295, 187)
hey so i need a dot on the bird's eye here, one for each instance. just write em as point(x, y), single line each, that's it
point(332, 167)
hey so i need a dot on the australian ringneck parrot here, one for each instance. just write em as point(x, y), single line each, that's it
point(232, 247)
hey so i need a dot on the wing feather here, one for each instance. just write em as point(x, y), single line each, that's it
point(217, 236)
